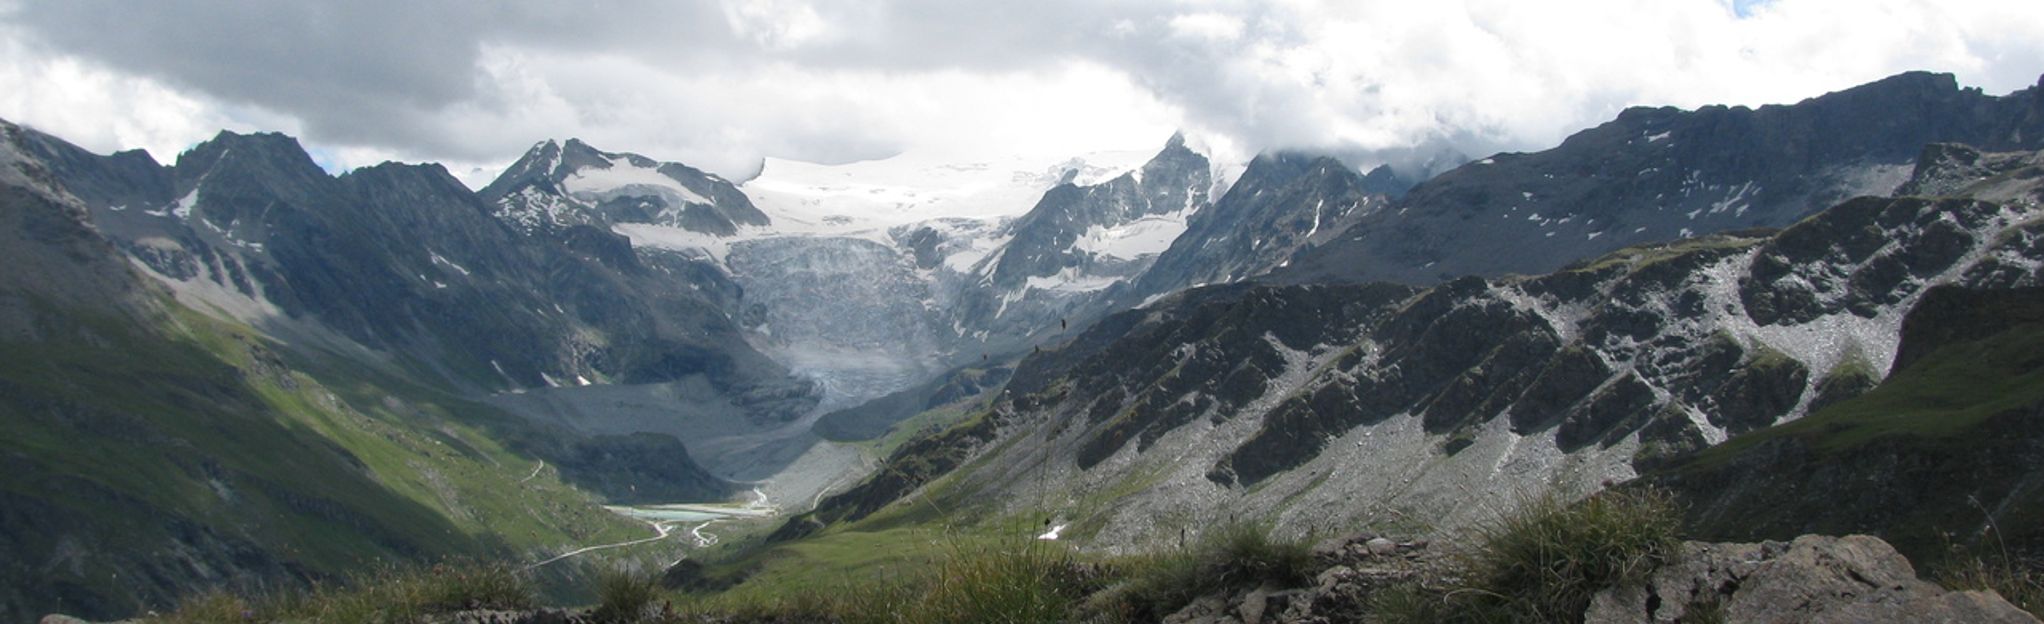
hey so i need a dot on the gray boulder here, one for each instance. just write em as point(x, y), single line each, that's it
point(1814, 579)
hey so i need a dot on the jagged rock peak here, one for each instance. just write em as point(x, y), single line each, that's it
point(270, 148)
point(1284, 165)
point(433, 174)
point(1177, 141)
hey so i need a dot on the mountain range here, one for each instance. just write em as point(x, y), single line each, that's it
point(212, 360)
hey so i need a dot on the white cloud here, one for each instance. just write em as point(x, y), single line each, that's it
point(736, 118)
point(1506, 74)
point(1213, 27)
point(108, 111)
point(775, 24)
point(721, 85)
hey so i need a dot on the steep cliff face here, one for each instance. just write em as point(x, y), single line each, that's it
point(56, 258)
point(1656, 174)
point(1077, 250)
point(1283, 203)
point(1106, 230)
point(1381, 402)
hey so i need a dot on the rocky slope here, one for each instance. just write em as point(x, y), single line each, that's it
point(1087, 250)
point(1956, 434)
point(1388, 404)
point(1659, 173)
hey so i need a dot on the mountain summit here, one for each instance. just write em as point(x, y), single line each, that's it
point(558, 185)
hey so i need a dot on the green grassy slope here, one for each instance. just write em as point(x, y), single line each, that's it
point(1948, 450)
point(139, 462)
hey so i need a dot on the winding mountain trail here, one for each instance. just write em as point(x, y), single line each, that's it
point(662, 527)
point(817, 501)
point(704, 540)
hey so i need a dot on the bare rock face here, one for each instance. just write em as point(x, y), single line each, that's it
point(1813, 579)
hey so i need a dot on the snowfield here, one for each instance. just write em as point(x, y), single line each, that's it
point(625, 177)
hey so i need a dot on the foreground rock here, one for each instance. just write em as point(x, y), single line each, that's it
point(1813, 579)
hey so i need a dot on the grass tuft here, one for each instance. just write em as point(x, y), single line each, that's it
point(2022, 585)
point(1544, 562)
point(625, 595)
point(1007, 580)
point(1231, 556)
point(393, 595)
point(1011, 579)
point(210, 607)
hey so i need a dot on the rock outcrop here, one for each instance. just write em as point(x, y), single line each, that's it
point(1815, 579)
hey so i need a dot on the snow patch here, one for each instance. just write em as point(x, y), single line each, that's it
point(1146, 236)
point(442, 260)
point(623, 177)
point(1068, 280)
point(182, 208)
point(686, 242)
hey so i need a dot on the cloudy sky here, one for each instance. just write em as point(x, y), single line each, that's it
point(722, 83)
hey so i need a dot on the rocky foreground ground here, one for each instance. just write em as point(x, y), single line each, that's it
point(1814, 579)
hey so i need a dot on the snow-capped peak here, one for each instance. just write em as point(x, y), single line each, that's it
point(566, 184)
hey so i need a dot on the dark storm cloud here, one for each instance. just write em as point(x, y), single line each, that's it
point(375, 73)
point(352, 71)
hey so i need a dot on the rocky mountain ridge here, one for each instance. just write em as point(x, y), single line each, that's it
point(403, 259)
point(1282, 204)
point(1374, 403)
point(1654, 174)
